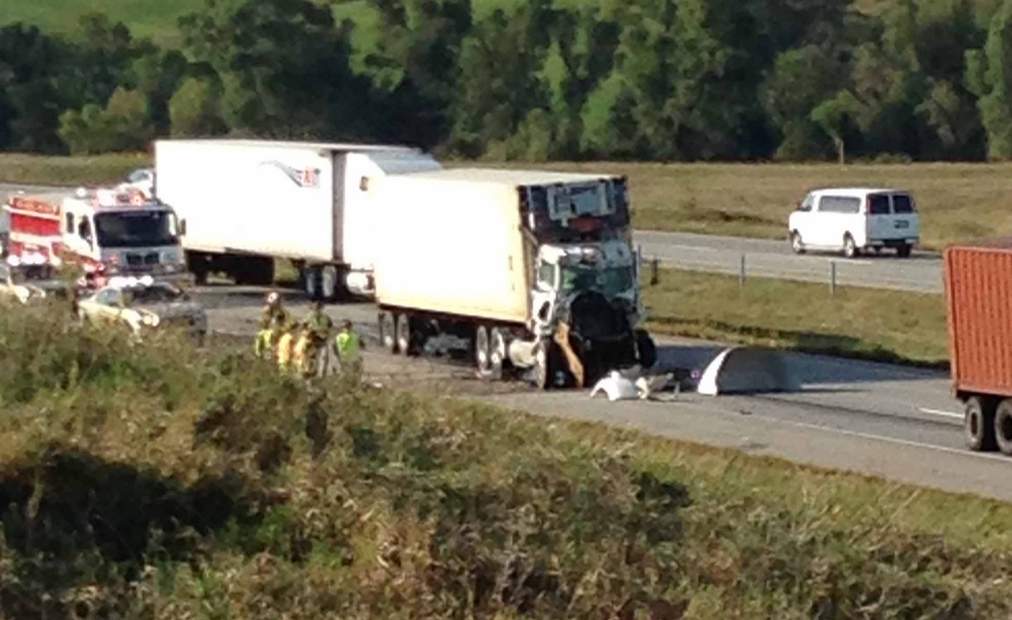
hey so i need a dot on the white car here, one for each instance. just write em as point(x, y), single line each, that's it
point(143, 304)
point(144, 180)
point(853, 220)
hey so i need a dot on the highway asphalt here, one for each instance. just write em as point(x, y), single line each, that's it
point(884, 420)
point(920, 273)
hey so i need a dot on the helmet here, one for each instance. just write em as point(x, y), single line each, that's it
point(273, 297)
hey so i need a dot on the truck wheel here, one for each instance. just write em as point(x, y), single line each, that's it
point(482, 358)
point(311, 282)
point(979, 426)
point(496, 352)
point(328, 283)
point(387, 332)
point(646, 350)
point(404, 337)
point(904, 250)
point(197, 264)
point(1003, 427)
point(542, 366)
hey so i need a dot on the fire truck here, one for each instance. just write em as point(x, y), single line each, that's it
point(107, 231)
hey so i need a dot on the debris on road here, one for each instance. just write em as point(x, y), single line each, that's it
point(746, 370)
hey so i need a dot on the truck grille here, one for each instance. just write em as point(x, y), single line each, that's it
point(137, 259)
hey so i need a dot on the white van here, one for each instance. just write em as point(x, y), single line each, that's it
point(852, 220)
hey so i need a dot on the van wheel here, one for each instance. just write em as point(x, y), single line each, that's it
point(979, 425)
point(797, 245)
point(849, 247)
point(1003, 427)
point(904, 250)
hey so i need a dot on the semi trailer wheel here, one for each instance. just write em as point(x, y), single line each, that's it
point(978, 424)
point(387, 332)
point(482, 358)
point(328, 282)
point(1003, 427)
point(404, 337)
point(311, 282)
point(496, 352)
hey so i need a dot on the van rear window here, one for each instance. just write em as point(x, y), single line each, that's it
point(878, 204)
point(902, 204)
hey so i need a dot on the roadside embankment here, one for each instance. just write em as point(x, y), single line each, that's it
point(169, 481)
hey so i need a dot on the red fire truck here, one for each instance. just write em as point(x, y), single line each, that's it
point(107, 232)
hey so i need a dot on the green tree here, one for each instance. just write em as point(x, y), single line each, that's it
point(30, 102)
point(802, 79)
point(989, 75)
point(195, 110)
point(123, 125)
point(284, 68)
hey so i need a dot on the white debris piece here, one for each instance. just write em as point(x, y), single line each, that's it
point(626, 385)
point(746, 370)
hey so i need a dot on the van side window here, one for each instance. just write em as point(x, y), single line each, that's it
point(878, 204)
point(839, 204)
point(902, 204)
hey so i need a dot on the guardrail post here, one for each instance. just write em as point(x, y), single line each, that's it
point(832, 277)
point(741, 272)
point(655, 271)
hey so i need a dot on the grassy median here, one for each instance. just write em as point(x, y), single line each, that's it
point(958, 202)
point(855, 322)
point(164, 481)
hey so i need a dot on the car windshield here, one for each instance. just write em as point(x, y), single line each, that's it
point(131, 230)
point(610, 281)
point(152, 295)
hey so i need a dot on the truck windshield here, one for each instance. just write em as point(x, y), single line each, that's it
point(610, 281)
point(131, 230)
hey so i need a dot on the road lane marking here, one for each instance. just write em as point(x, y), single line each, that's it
point(947, 414)
point(892, 440)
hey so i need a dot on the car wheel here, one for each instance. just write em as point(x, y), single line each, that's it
point(849, 247)
point(797, 245)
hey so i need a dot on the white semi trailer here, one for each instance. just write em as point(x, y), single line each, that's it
point(535, 270)
point(248, 202)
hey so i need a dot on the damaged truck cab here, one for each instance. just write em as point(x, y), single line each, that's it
point(535, 270)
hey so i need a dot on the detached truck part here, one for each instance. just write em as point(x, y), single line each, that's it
point(978, 286)
point(534, 269)
point(247, 202)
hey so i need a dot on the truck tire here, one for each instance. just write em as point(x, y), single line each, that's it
point(311, 282)
point(542, 366)
point(328, 283)
point(646, 350)
point(262, 271)
point(979, 424)
point(904, 250)
point(482, 355)
point(405, 339)
point(496, 352)
point(197, 264)
point(1003, 427)
point(387, 332)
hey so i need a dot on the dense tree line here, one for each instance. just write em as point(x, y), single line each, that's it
point(536, 79)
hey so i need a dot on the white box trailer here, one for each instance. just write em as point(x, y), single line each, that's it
point(534, 269)
point(248, 202)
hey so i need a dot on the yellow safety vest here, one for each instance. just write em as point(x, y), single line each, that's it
point(347, 345)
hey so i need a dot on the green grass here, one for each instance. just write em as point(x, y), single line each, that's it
point(48, 170)
point(958, 202)
point(156, 19)
point(856, 322)
point(165, 481)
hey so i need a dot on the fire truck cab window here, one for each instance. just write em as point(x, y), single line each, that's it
point(84, 229)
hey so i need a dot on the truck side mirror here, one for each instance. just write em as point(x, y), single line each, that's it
point(182, 227)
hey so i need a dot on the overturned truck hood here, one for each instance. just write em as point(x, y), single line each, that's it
point(747, 370)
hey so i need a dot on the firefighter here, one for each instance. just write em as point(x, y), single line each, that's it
point(313, 341)
point(272, 317)
point(348, 345)
point(286, 344)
